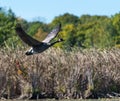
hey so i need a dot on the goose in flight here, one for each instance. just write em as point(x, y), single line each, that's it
point(37, 46)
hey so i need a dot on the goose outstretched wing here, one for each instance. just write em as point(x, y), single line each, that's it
point(25, 37)
point(52, 34)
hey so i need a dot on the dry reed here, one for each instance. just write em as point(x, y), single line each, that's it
point(60, 74)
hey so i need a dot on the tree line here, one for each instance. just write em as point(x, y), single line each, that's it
point(85, 31)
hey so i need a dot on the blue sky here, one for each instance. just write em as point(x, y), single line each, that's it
point(46, 10)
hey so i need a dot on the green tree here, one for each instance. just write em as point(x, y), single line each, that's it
point(96, 32)
point(7, 23)
point(65, 19)
point(116, 24)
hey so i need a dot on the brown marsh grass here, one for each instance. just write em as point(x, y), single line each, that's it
point(60, 74)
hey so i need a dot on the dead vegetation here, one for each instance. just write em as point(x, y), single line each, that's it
point(60, 74)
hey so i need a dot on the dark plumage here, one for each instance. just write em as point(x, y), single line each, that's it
point(37, 46)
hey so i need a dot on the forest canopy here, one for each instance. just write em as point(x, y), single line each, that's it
point(85, 31)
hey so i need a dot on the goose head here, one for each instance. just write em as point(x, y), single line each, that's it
point(59, 40)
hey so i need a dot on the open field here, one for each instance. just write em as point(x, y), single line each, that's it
point(60, 74)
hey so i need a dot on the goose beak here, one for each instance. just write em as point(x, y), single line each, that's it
point(60, 40)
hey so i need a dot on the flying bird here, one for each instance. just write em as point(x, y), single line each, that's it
point(37, 46)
